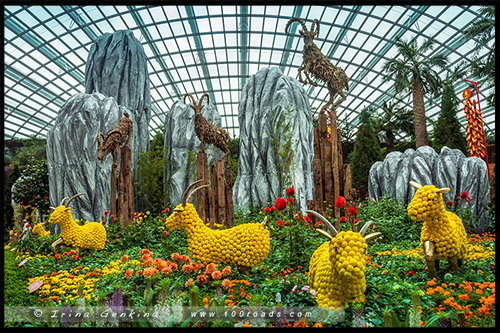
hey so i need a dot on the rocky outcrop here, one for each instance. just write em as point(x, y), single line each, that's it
point(117, 81)
point(72, 154)
point(451, 168)
point(181, 149)
point(270, 102)
point(117, 67)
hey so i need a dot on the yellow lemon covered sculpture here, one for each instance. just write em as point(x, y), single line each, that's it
point(91, 235)
point(245, 245)
point(443, 234)
point(337, 267)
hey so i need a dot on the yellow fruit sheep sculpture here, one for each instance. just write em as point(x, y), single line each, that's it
point(245, 245)
point(443, 234)
point(91, 235)
point(337, 267)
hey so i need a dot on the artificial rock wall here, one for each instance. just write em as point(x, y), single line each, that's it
point(116, 81)
point(451, 168)
point(269, 102)
point(181, 149)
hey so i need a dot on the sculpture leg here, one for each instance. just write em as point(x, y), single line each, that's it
point(330, 100)
point(300, 75)
point(341, 93)
point(453, 263)
point(57, 242)
point(429, 252)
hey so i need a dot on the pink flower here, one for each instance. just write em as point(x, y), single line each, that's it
point(290, 192)
point(280, 204)
point(340, 202)
point(165, 232)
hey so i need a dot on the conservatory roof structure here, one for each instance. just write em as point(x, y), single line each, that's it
point(215, 49)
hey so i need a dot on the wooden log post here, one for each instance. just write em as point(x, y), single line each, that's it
point(202, 195)
point(335, 158)
point(125, 204)
point(347, 182)
point(212, 197)
point(221, 193)
point(112, 200)
point(229, 198)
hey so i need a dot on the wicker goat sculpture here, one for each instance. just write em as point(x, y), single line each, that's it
point(443, 234)
point(111, 142)
point(316, 63)
point(205, 131)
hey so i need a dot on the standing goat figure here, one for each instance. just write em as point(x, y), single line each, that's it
point(316, 63)
point(205, 131)
point(111, 142)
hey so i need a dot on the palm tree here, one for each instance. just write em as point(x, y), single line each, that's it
point(412, 71)
point(393, 119)
point(483, 31)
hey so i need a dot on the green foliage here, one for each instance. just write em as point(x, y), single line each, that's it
point(32, 188)
point(447, 131)
point(281, 142)
point(149, 182)
point(391, 219)
point(491, 205)
point(234, 152)
point(366, 152)
point(21, 151)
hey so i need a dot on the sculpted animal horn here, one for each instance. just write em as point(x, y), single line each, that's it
point(202, 96)
point(186, 192)
point(192, 98)
point(62, 202)
point(415, 184)
point(330, 227)
point(365, 227)
point(99, 138)
point(315, 24)
point(75, 196)
point(192, 193)
point(293, 19)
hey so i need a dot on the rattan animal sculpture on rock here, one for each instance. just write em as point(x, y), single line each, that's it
point(316, 63)
point(91, 235)
point(245, 245)
point(205, 131)
point(118, 136)
point(336, 269)
point(443, 234)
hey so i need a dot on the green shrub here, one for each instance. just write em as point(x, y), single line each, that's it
point(391, 219)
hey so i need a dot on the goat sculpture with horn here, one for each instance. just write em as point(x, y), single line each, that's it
point(245, 245)
point(443, 234)
point(316, 63)
point(205, 131)
point(91, 235)
point(336, 269)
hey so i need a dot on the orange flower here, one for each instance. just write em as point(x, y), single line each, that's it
point(166, 271)
point(210, 268)
point(216, 275)
point(201, 279)
point(186, 269)
point(145, 251)
point(124, 258)
point(226, 271)
point(128, 273)
point(189, 283)
point(431, 282)
point(226, 284)
point(150, 271)
point(464, 297)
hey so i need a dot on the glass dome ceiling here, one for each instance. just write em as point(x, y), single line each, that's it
point(215, 49)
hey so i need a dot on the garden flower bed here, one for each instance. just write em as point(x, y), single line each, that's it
point(148, 268)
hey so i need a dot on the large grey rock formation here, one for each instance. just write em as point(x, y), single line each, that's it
point(269, 102)
point(181, 149)
point(116, 81)
point(117, 67)
point(451, 168)
point(72, 154)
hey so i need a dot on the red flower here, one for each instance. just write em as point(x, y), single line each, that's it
point(163, 220)
point(287, 223)
point(307, 219)
point(290, 192)
point(45, 197)
point(342, 219)
point(410, 273)
point(366, 196)
point(57, 256)
point(457, 198)
point(280, 204)
point(351, 211)
point(111, 216)
point(28, 225)
point(464, 195)
point(356, 221)
point(468, 199)
point(290, 200)
point(340, 202)
point(267, 209)
point(165, 232)
point(358, 193)
point(449, 203)
point(279, 223)
point(492, 267)
point(106, 212)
